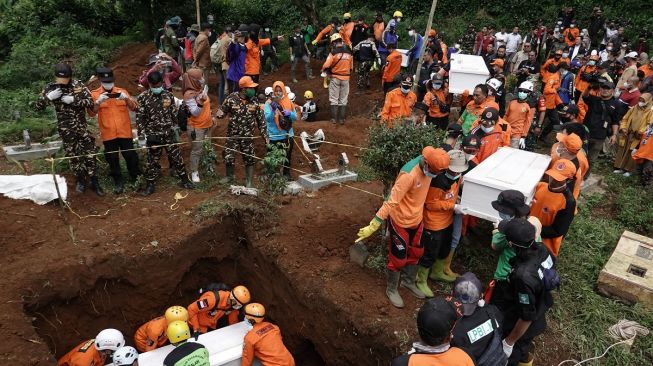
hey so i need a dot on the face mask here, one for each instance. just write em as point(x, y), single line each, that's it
point(505, 216)
point(487, 129)
point(107, 86)
point(250, 93)
point(411, 33)
point(557, 189)
point(627, 85)
point(522, 95)
point(210, 33)
point(437, 86)
point(565, 55)
point(563, 72)
point(398, 20)
point(405, 90)
point(592, 63)
point(202, 82)
point(427, 172)
point(157, 91)
point(642, 104)
point(267, 29)
point(573, 26)
point(609, 48)
point(452, 177)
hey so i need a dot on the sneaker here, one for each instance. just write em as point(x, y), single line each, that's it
point(627, 174)
point(618, 171)
point(195, 177)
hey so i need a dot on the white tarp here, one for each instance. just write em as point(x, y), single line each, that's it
point(39, 188)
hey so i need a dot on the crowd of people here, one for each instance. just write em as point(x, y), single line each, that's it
point(589, 87)
point(218, 306)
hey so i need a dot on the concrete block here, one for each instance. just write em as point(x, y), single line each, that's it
point(628, 274)
point(293, 188)
point(313, 182)
point(36, 151)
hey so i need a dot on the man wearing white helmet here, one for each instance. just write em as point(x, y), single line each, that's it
point(519, 116)
point(94, 351)
point(125, 356)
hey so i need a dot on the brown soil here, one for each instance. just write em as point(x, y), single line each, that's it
point(63, 282)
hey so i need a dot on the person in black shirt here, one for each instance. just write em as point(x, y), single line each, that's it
point(528, 68)
point(365, 53)
point(478, 332)
point(360, 32)
point(601, 118)
point(428, 67)
point(531, 279)
point(298, 50)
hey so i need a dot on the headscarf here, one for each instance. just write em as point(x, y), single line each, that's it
point(190, 83)
point(285, 102)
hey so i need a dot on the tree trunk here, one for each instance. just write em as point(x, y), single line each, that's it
point(308, 9)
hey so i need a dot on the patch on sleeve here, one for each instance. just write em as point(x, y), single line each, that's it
point(524, 299)
point(202, 304)
point(86, 346)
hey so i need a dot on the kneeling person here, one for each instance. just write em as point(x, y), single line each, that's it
point(263, 341)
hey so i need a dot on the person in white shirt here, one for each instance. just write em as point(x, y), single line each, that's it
point(577, 50)
point(605, 54)
point(500, 38)
point(513, 40)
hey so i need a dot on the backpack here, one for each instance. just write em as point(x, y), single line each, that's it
point(217, 57)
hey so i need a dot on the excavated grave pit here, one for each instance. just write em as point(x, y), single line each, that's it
point(124, 292)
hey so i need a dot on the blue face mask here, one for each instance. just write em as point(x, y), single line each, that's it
point(427, 172)
point(522, 95)
point(157, 91)
point(505, 216)
point(452, 177)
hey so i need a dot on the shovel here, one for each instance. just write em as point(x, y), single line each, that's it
point(358, 253)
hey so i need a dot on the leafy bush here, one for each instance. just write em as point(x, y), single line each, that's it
point(273, 162)
point(390, 148)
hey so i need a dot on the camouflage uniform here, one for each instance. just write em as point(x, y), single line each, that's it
point(245, 116)
point(170, 43)
point(467, 42)
point(72, 126)
point(156, 115)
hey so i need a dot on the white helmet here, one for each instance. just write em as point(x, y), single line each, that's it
point(291, 96)
point(494, 84)
point(109, 339)
point(268, 91)
point(527, 85)
point(288, 91)
point(125, 356)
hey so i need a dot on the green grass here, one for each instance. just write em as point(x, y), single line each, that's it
point(39, 128)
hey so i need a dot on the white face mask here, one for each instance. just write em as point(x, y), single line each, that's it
point(107, 86)
point(609, 48)
point(642, 104)
point(411, 33)
point(487, 129)
point(267, 29)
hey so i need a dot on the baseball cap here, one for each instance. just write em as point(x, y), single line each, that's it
point(454, 129)
point(63, 70)
point(571, 142)
point(436, 318)
point(498, 62)
point(437, 159)
point(570, 109)
point(105, 74)
point(407, 81)
point(511, 202)
point(247, 82)
point(468, 290)
point(631, 54)
point(457, 161)
point(490, 114)
point(519, 232)
point(471, 141)
point(562, 170)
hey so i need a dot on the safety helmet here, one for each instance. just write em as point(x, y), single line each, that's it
point(347, 16)
point(178, 331)
point(397, 14)
point(125, 356)
point(308, 94)
point(109, 339)
point(336, 37)
point(292, 96)
point(175, 313)
point(241, 294)
point(254, 312)
point(527, 85)
point(268, 91)
point(494, 84)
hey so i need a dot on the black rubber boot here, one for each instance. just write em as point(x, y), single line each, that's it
point(342, 112)
point(185, 182)
point(249, 175)
point(95, 185)
point(334, 114)
point(118, 186)
point(229, 174)
point(81, 183)
point(149, 188)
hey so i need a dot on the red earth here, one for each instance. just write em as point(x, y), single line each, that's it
point(66, 277)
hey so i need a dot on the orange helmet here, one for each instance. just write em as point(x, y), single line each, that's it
point(241, 295)
point(433, 33)
point(175, 313)
point(254, 312)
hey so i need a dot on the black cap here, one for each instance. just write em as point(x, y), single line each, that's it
point(421, 106)
point(471, 141)
point(518, 232)
point(468, 289)
point(63, 70)
point(406, 80)
point(570, 109)
point(490, 114)
point(454, 129)
point(511, 202)
point(436, 318)
point(105, 74)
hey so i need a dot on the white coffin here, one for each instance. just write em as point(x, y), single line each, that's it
point(404, 57)
point(507, 168)
point(225, 346)
point(466, 71)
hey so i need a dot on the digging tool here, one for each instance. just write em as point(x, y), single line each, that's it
point(358, 253)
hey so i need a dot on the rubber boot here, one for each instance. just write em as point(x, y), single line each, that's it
point(437, 272)
point(421, 281)
point(447, 265)
point(185, 182)
point(229, 174)
point(149, 189)
point(391, 290)
point(249, 175)
point(81, 183)
point(408, 281)
point(95, 185)
point(334, 114)
point(118, 186)
point(342, 112)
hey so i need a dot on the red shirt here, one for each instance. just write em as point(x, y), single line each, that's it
point(630, 97)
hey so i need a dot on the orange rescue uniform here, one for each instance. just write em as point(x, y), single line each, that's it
point(519, 117)
point(204, 119)
point(346, 31)
point(85, 354)
point(406, 202)
point(645, 150)
point(490, 143)
point(441, 95)
point(397, 106)
point(253, 57)
point(113, 115)
point(151, 335)
point(452, 357)
point(647, 70)
point(581, 169)
point(438, 213)
point(341, 65)
point(552, 99)
point(574, 32)
point(581, 84)
point(544, 70)
point(379, 27)
point(546, 206)
point(392, 67)
point(264, 343)
point(202, 317)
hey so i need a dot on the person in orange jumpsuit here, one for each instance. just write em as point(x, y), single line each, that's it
point(554, 204)
point(549, 67)
point(404, 212)
point(205, 313)
point(152, 334)
point(326, 32)
point(347, 28)
point(552, 100)
point(585, 75)
point(570, 34)
point(474, 108)
point(490, 133)
point(391, 69)
point(570, 147)
point(338, 67)
point(94, 352)
point(399, 102)
point(263, 342)
point(643, 157)
point(438, 100)
point(253, 57)
point(519, 116)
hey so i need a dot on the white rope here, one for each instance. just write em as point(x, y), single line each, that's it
point(624, 331)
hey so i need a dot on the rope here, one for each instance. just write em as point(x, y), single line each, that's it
point(625, 331)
